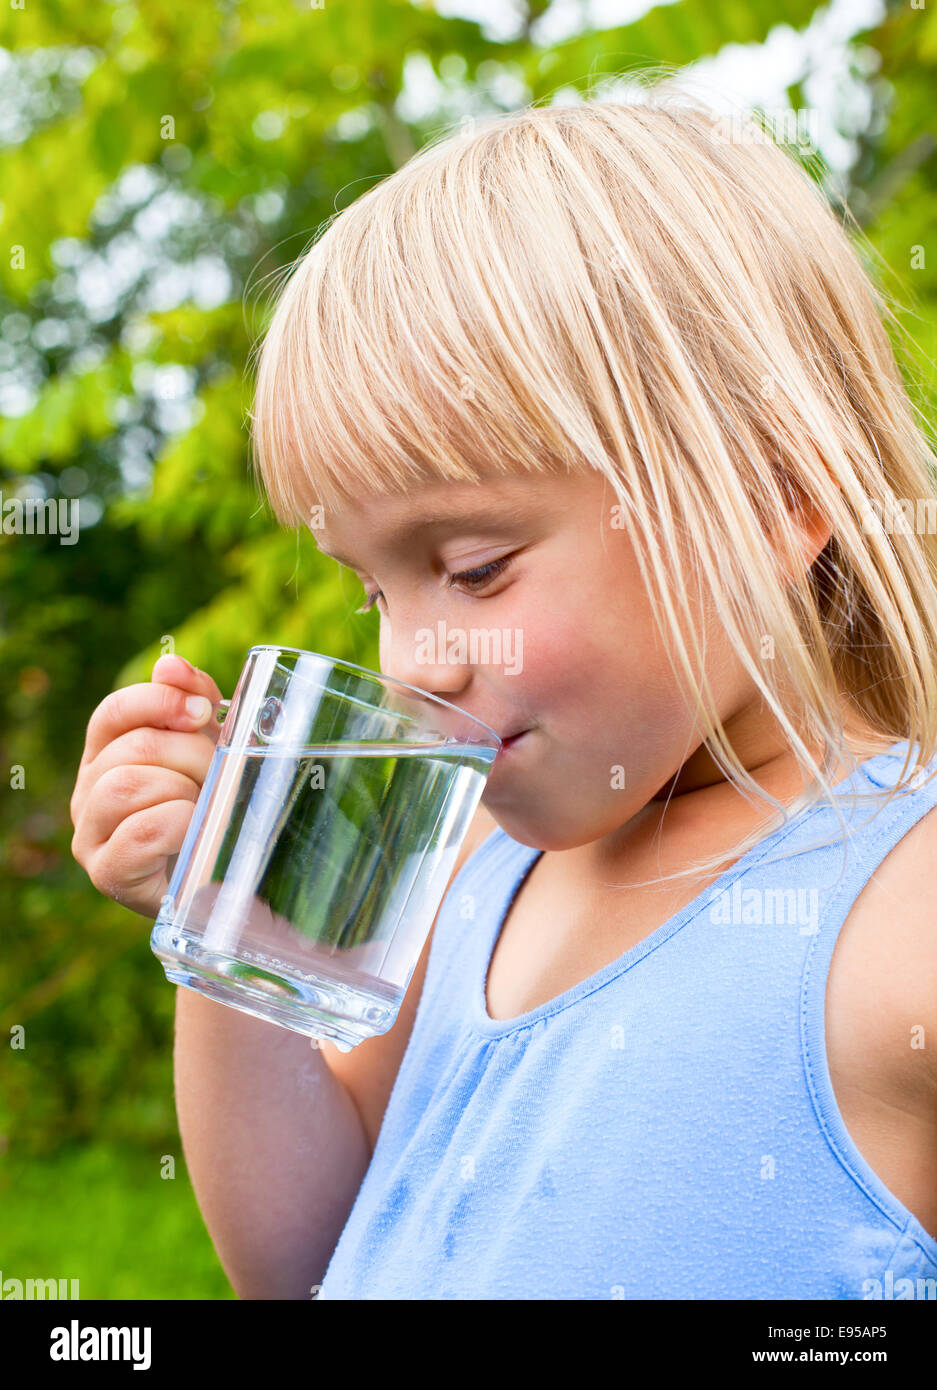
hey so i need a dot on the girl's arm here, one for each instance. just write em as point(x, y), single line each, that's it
point(273, 1143)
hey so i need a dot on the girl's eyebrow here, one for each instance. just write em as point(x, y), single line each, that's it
point(503, 517)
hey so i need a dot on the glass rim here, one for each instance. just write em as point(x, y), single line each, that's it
point(378, 675)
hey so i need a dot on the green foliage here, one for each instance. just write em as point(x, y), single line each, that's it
point(893, 185)
point(106, 1215)
point(246, 116)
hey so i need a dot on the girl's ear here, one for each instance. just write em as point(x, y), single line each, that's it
point(815, 531)
point(811, 525)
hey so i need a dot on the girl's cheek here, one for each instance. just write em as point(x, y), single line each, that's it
point(580, 656)
point(554, 657)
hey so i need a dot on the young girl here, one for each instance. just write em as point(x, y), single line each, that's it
point(609, 380)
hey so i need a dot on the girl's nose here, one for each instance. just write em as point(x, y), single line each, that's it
point(421, 656)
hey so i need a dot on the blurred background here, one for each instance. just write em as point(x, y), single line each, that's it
point(159, 165)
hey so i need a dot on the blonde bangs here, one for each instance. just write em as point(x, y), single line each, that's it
point(405, 347)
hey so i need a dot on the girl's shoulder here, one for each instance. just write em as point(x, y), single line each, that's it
point(881, 1006)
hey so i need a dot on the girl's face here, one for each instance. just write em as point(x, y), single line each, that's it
point(580, 663)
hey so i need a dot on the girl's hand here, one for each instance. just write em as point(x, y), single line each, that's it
point(145, 759)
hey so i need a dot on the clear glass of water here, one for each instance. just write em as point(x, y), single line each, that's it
point(321, 844)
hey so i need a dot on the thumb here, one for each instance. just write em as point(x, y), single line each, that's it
point(175, 670)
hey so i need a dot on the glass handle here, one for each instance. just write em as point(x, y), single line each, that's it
point(267, 720)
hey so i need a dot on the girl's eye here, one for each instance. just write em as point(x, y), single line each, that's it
point(475, 579)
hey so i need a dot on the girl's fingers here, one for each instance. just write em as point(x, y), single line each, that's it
point(138, 849)
point(175, 670)
point(187, 754)
point(121, 792)
point(146, 705)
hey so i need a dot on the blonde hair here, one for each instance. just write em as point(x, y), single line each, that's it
point(631, 288)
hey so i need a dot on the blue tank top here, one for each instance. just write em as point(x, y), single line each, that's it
point(666, 1128)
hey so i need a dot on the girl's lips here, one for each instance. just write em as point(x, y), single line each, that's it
point(508, 743)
